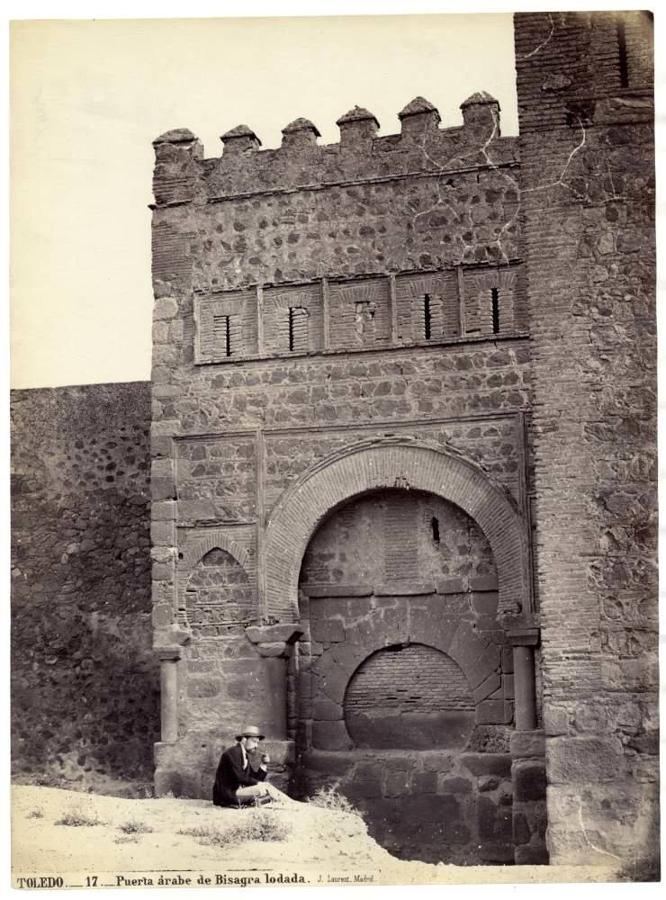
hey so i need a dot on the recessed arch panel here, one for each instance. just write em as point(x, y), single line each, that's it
point(388, 463)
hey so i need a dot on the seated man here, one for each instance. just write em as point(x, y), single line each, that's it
point(237, 783)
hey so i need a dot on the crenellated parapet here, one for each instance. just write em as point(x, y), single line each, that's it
point(361, 154)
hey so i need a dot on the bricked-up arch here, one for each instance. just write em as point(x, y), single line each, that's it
point(390, 462)
point(478, 659)
point(193, 555)
point(218, 595)
point(408, 697)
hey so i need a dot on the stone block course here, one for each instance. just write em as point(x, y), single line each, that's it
point(529, 780)
point(272, 648)
point(528, 744)
point(326, 710)
point(328, 735)
point(487, 763)
point(454, 785)
point(424, 783)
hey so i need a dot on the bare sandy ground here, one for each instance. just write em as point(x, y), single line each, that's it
point(136, 841)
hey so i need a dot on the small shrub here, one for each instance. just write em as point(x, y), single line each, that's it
point(35, 814)
point(257, 826)
point(329, 798)
point(126, 839)
point(134, 827)
point(78, 819)
point(209, 836)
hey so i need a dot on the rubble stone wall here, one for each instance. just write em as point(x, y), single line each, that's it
point(85, 688)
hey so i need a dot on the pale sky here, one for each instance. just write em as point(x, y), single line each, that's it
point(89, 97)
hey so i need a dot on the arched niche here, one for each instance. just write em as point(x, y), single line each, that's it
point(388, 463)
point(394, 538)
point(215, 539)
point(219, 595)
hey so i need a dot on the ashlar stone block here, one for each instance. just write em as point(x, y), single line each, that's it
point(574, 760)
point(330, 736)
point(529, 780)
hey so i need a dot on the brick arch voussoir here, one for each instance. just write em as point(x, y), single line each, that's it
point(391, 463)
point(334, 674)
point(477, 659)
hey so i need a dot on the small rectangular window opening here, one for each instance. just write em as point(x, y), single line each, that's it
point(298, 329)
point(622, 51)
point(427, 317)
point(494, 296)
point(222, 332)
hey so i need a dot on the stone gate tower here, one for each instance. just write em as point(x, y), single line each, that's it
point(585, 102)
point(344, 472)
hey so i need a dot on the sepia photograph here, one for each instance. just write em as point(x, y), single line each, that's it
point(333, 450)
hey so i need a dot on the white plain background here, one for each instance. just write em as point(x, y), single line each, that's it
point(88, 98)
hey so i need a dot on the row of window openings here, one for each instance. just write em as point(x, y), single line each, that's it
point(298, 325)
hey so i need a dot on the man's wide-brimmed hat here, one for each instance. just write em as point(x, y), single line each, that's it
point(250, 731)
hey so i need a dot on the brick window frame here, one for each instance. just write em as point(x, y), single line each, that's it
point(237, 339)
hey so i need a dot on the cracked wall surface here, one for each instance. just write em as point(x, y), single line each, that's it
point(587, 200)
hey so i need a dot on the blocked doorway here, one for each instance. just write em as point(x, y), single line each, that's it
point(405, 688)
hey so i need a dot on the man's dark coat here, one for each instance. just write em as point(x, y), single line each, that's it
point(231, 775)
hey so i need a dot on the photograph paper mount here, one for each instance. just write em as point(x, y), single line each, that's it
point(388, 498)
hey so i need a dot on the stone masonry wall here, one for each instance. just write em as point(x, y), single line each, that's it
point(432, 805)
point(309, 299)
point(243, 243)
point(587, 201)
point(85, 701)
